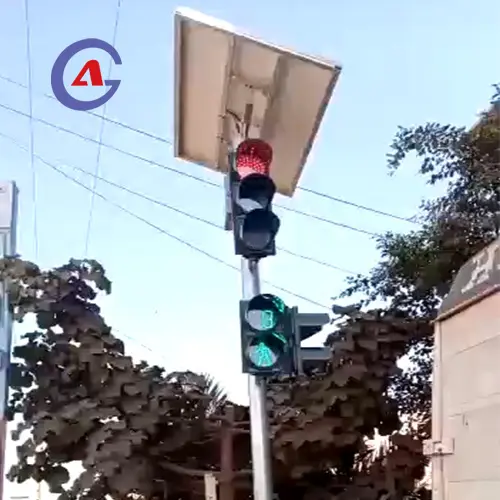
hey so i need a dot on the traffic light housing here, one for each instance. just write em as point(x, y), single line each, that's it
point(267, 337)
point(309, 360)
point(255, 226)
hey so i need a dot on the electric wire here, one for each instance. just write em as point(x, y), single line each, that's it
point(31, 128)
point(184, 174)
point(162, 230)
point(169, 142)
point(356, 205)
point(178, 210)
point(101, 134)
point(202, 220)
point(110, 146)
point(138, 342)
point(97, 115)
point(329, 221)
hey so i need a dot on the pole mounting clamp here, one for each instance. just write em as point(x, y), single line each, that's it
point(439, 448)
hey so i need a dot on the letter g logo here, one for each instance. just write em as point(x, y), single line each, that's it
point(57, 80)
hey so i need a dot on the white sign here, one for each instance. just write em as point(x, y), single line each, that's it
point(210, 487)
point(8, 202)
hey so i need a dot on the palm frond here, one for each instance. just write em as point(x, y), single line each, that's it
point(217, 395)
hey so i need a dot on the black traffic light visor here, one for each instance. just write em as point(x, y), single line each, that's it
point(264, 312)
point(259, 228)
point(257, 187)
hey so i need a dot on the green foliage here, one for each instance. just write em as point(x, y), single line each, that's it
point(84, 400)
point(136, 429)
point(321, 423)
point(417, 269)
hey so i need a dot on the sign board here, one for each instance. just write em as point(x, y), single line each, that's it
point(478, 277)
point(8, 206)
point(210, 486)
point(8, 220)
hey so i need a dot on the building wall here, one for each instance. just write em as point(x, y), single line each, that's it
point(467, 403)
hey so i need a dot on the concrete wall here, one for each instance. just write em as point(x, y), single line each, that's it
point(466, 402)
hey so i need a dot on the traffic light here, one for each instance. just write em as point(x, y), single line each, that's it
point(309, 359)
point(267, 338)
point(252, 190)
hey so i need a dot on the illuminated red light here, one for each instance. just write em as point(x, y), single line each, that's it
point(253, 156)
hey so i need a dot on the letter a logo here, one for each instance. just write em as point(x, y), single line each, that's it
point(94, 70)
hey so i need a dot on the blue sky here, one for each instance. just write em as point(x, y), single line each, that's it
point(404, 63)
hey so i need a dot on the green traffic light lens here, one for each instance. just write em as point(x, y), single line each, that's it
point(261, 355)
point(262, 320)
point(265, 352)
point(264, 312)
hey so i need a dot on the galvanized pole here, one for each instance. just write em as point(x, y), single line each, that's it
point(259, 425)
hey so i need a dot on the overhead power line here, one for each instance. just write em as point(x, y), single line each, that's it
point(169, 142)
point(101, 134)
point(328, 221)
point(160, 229)
point(356, 205)
point(97, 115)
point(185, 174)
point(109, 146)
point(204, 221)
point(175, 209)
point(31, 137)
point(138, 342)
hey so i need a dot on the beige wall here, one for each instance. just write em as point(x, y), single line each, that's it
point(466, 403)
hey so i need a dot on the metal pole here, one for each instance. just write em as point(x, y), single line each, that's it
point(226, 481)
point(261, 452)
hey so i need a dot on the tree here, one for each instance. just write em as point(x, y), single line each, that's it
point(138, 430)
point(83, 399)
point(321, 423)
point(417, 268)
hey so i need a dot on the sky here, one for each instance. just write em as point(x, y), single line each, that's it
point(404, 63)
